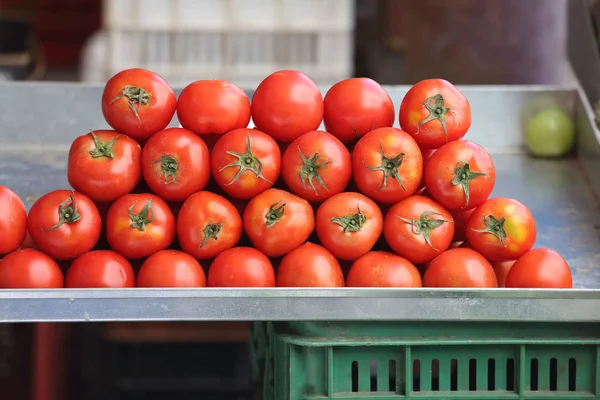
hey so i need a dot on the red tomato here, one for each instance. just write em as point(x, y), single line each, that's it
point(30, 269)
point(383, 269)
point(100, 269)
point(241, 267)
point(310, 265)
point(139, 225)
point(501, 229)
point(501, 269)
point(418, 229)
point(460, 268)
point(277, 222)
point(349, 224)
point(316, 166)
point(460, 217)
point(171, 268)
point(207, 225)
point(138, 103)
point(245, 162)
point(64, 224)
point(13, 221)
point(213, 107)
point(540, 268)
point(176, 164)
point(387, 165)
point(104, 165)
point(435, 112)
point(286, 105)
point(356, 106)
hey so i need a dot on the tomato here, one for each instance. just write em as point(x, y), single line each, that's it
point(356, 106)
point(100, 269)
point(245, 162)
point(460, 268)
point(387, 165)
point(501, 269)
point(139, 225)
point(310, 265)
point(138, 103)
point(171, 268)
point(550, 133)
point(30, 269)
point(460, 175)
point(348, 225)
point(501, 229)
point(104, 165)
point(207, 225)
point(13, 221)
point(277, 222)
point(435, 112)
point(383, 269)
point(316, 166)
point(241, 267)
point(460, 217)
point(175, 164)
point(287, 104)
point(540, 268)
point(213, 107)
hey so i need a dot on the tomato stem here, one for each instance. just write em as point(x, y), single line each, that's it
point(437, 110)
point(424, 225)
point(135, 96)
point(310, 171)
point(495, 227)
point(145, 217)
point(389, 166)
point(351, 223)
point(246, 162)
point(462, 176)
point(169, 167)
point(67, 213)
point(102, 149)
point(210, 231)
point(275, 213)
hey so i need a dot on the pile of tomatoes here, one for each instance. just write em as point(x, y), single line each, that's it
point(216, 203)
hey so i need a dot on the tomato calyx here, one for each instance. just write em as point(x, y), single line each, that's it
point(437, 110)
point(102, 149)
point(424, 225)
point(275, 213)
point(169, 167)
point(389, 166)
point(310, 170)
point(351, 223)
point(246, 162)
point(136, 97)
point(67, 213)
point(145, 217)
point(495, 227)
point(210, 231)
point(463, 175)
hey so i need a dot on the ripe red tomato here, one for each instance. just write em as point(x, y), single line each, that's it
point(139, 225)
point(100, 269)
point(540, 268)
point(287, 104)
point(310, 265)
point(387, 165)
point(207, 225)
point(383, 269)
point(418, 229)
point(245, 162)
point(501, 229)
point(30, 269)
point(501, 269)
point(241, 267)
point(277, 222)
point(460, 217)
point(13, 221)
point(460, 175)
point(138, 103)
point(435, 112)
point(175, 164)
point(316, 166)
point(171, 268)
point(104, 165)
point(356, 106)
point(349, 224)
point(460, 267)
point(213, 107)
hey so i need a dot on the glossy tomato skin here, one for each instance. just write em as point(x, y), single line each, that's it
point(214, 107)
point(349, 224)
point(383, 269)
point(356, 106)
point(287, 104)
point(410, 222)
point(139, 225)
point(458, 268)
point(501, 229)
point(241, 267)
point(460, 217)
point(175, 164)
point(171, 268)
point(104, 165)
point(30, 269)
point(310, 265)
point(207, 225)
point(250, 152)
point(13, 221)
point(316, 166)
point(277, 222)
point(501, 269)
point(387, 165)
point(138, 103)
point(426, 105)
point(100, 269)
point(539, 269)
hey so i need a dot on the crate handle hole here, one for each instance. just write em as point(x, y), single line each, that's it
point(472, 374)
point(435, 375)
point(454, 375)
point(553, 374)
point(373, 376)
point(533, 374)
point(510, 374)
point(572, 375)
point(392, 381)
point(491, 374)
point(354, 374)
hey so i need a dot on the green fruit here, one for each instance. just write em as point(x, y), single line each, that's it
point(550, 133)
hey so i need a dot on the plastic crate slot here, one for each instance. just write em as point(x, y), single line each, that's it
point(354, 376)
point(491, 378)
point(392, 378)
point(572, 375)
point(533, 375)
point(510, 374)
point(453, 375)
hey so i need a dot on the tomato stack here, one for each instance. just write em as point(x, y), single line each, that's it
point(362, 204)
